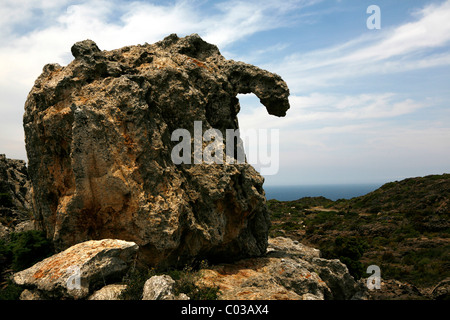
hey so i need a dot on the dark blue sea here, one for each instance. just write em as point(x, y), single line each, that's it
point(333, 192)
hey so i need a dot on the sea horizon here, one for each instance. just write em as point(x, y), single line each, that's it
point(329, 191)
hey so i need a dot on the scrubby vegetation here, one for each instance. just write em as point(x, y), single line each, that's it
point(403, 227)
point(185, 282)
point(349, 251)
point(135, 280)
point(22, 250)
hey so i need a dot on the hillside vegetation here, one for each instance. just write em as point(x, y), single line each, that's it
point(403, 227)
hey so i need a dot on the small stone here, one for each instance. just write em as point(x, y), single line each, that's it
point(109, 292)
point(30, 295)
point(161, 288)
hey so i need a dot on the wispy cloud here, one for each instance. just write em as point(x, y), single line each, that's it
point(402, 48)
point(330, 126)
point(34, 33)
point(320, 109)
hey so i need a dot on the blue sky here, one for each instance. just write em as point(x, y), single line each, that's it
point(367, 106)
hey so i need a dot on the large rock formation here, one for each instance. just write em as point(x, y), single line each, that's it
point(99, 142)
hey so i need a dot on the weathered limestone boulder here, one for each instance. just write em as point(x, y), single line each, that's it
point(161, 288)
point(289, 271)
point(78, 270)
point(99, 143)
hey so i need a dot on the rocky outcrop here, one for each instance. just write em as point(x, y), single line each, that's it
point(14, 182)
point(77, 271)
point(289, 271)
point(99, 143)
point(15, 197)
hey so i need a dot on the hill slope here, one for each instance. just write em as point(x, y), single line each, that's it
point(422, 195)
point(403, 227)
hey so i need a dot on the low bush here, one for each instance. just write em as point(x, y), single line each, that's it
point(29, 247)
point(185, 282)
point(21, 251)
point(348, 250)
point(10, 291)
point(135, 280)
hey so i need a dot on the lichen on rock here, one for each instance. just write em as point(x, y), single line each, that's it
point(92, 262)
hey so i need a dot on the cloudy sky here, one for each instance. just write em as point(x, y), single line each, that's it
point(367, 105)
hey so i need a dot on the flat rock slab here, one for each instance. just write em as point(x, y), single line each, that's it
point(74, 272)
point(289, 271)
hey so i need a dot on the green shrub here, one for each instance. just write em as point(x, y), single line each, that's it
point(348, 250)
point(135, 280)
point(350, 215)
point(350, 247)
point(27, 248)
point(387, 256)
point(390, 271)
point(289, 226)
point(10, 291)
point(5, 261)
point(21, 251)
point(185, 282)
point(355, 267)
point(5, 253)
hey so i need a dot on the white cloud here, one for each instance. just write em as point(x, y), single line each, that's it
point(242, 18)
point(356, 136)
point(34, 33)
point(361, 153)
point(319, 109)
point(322, 128)
point(405, 47)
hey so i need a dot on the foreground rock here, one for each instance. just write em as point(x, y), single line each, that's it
point(98, 138)
point(289, 271)
point(77, 271)
point(161, 288)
